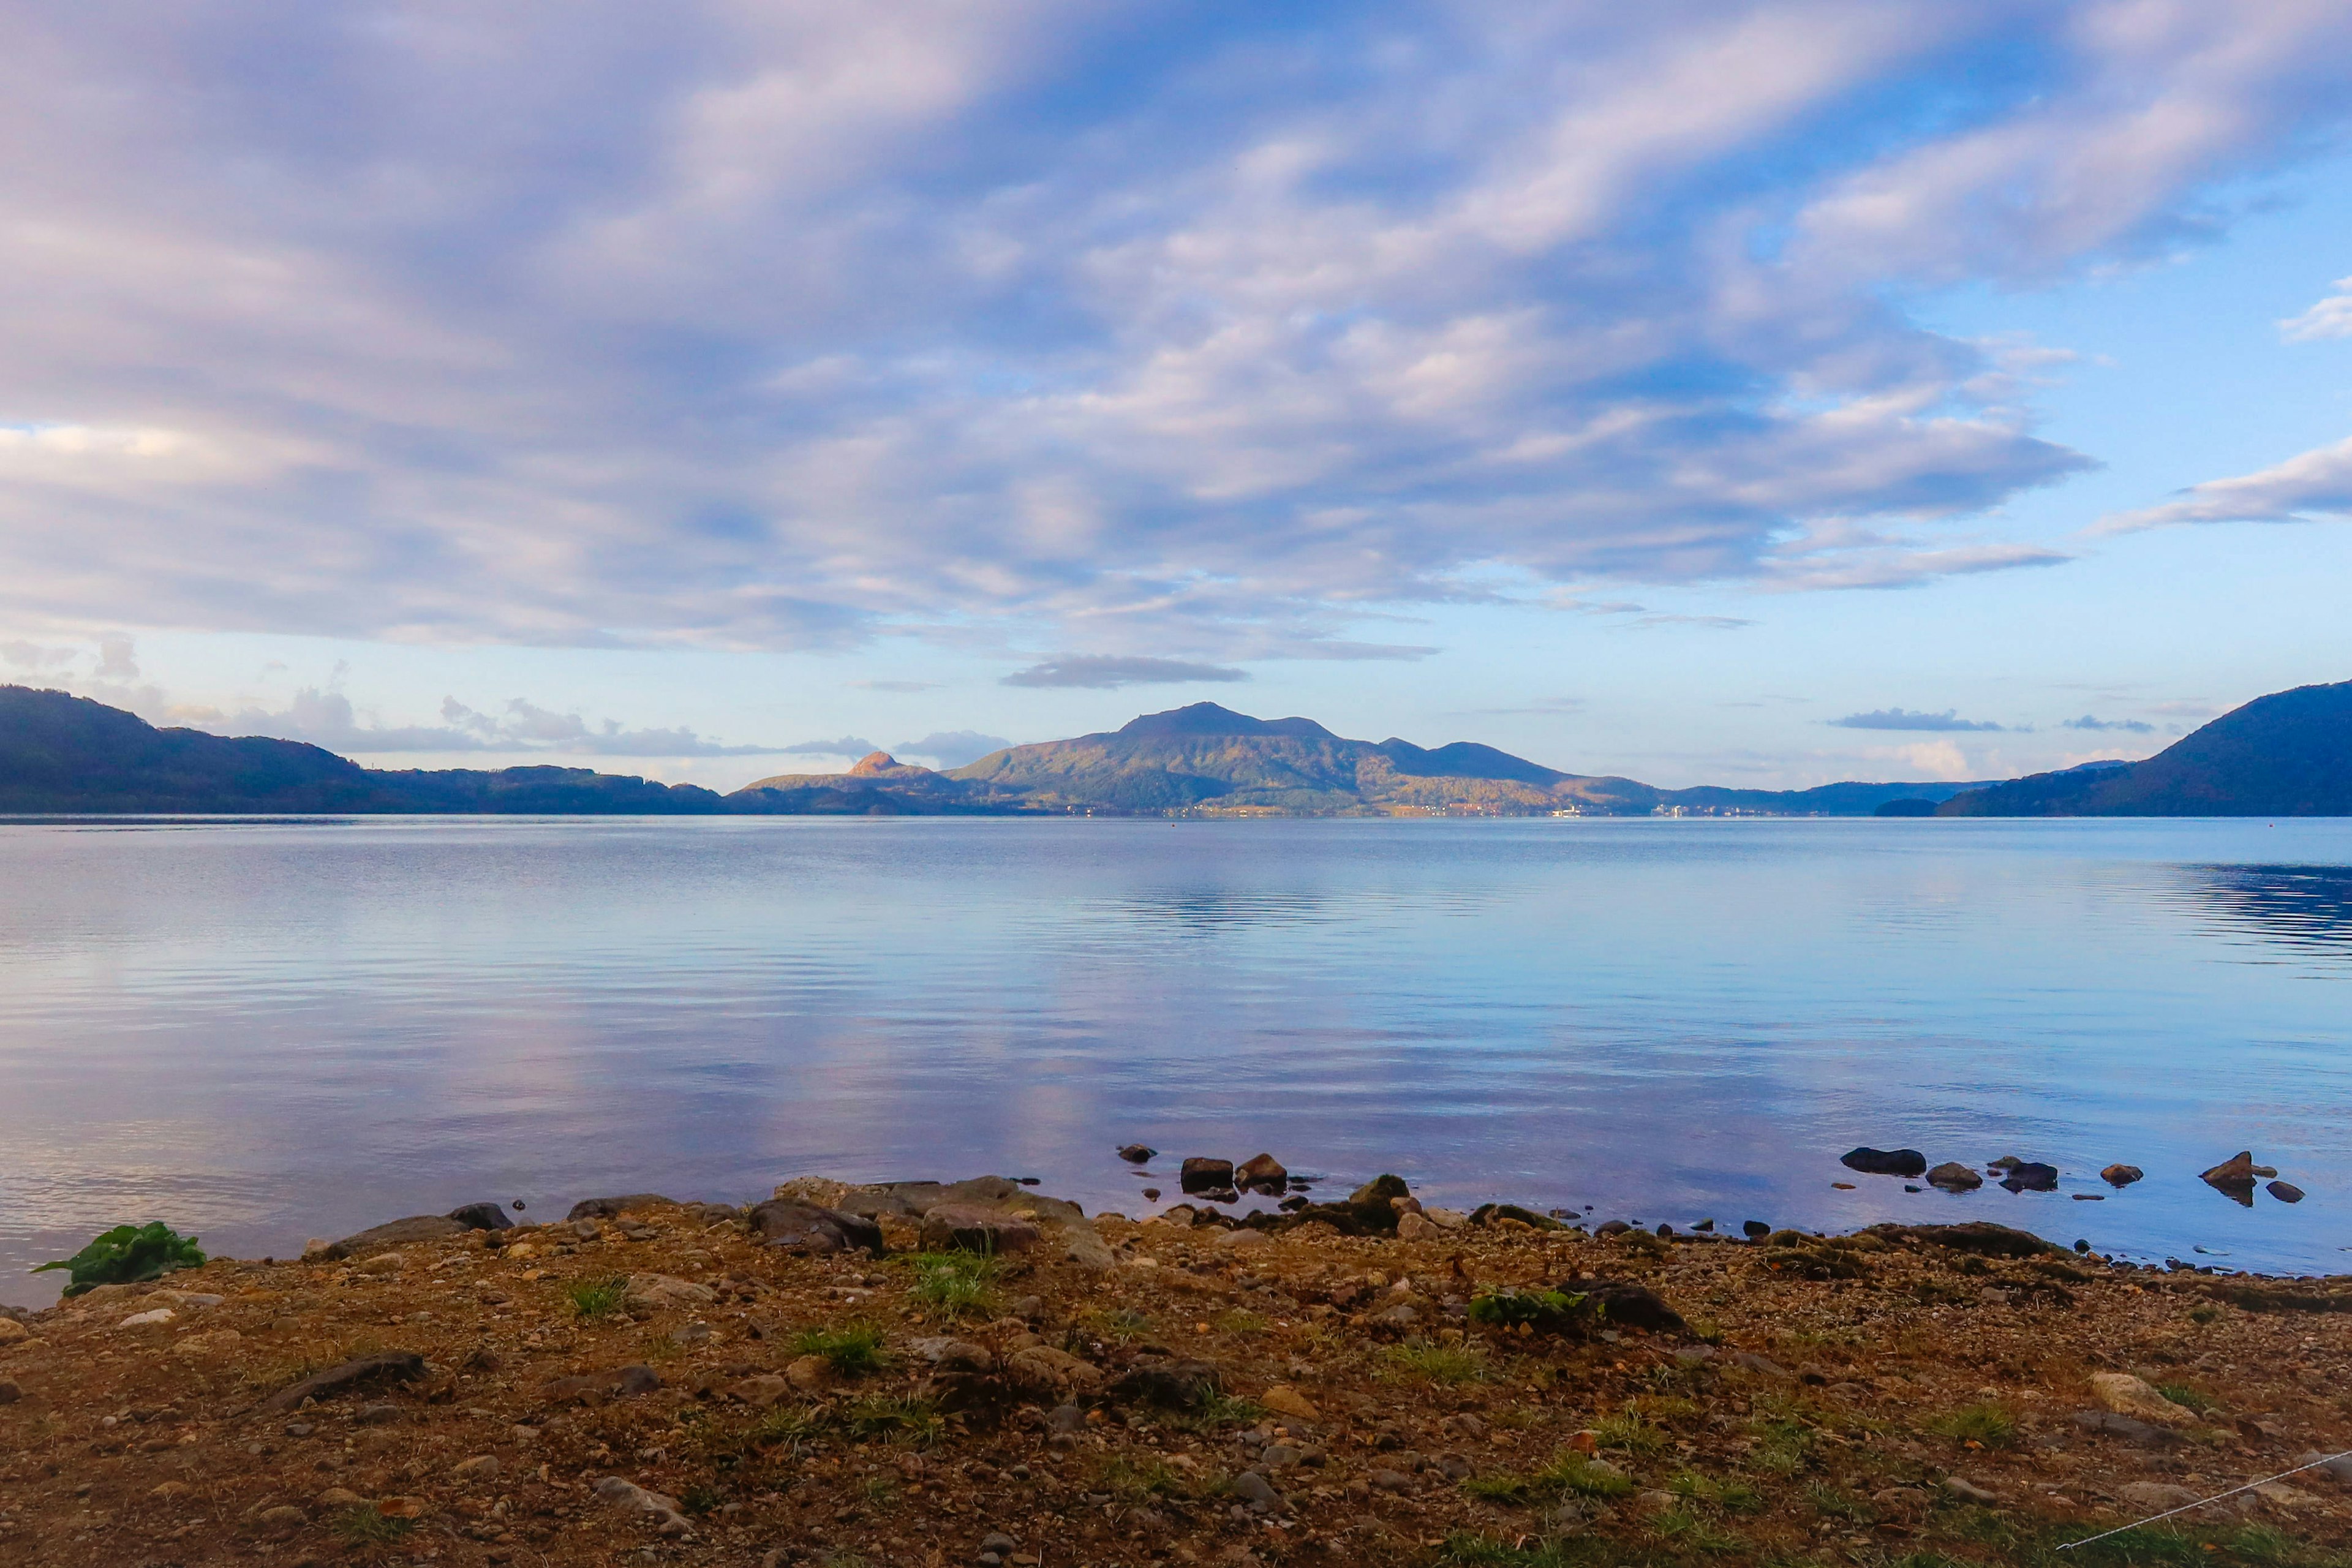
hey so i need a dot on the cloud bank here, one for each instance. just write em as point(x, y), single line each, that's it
point(1902, 719)
point(1104, 671)
point(1199, 330)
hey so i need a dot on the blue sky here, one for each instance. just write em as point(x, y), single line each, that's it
point(1761, 393)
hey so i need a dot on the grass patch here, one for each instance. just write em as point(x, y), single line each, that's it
point(1240, 1322)
point(1220, 1410)
point(1120, 1325)
point(1731, 1496)
point(1692, 1531)
point(2190, 1397)
point(362, 1527)
point(1570, 1473)
point(852, 1349)
point(1835, 1502)
point(1782, 1447)
point(953, 1284)
point(592, 1299)
point(1428, 1362)
point(1628, 1434)
point(1138, 1479)
point(1988, 1424)
point(915, 1420)
point(2203, 1315)
point(1464, 1550)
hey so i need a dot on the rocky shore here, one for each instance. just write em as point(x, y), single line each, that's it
point(978, 1373)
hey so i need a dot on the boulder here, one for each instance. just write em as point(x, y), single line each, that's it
point(1872, 1161)
point(1954, 1177)
point(2121, 1175)
point(481, 1217)
point(1261, 1172)
point(1981, 1236)
point(1485, 1215)
point(2238, 1171)
point(1625, 1305)
point(1416, 1227)
point(1201, 1174)
point(970, 1227)
point(613, 1208)
point(396, 1233)
point(805, 1227)
point(2285, 1192)
point(2124, 1395)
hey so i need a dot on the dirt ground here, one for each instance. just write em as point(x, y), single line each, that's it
point(665, 1385)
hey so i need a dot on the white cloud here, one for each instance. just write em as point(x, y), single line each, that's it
point(328, 717)
point(1128, 328)
point(2331, 318)
point(2318, 481)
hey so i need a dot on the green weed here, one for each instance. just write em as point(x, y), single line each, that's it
point(595, 1298)
point(1628, 1434)
point(1432, 1362)
point(852, 1349)
point(126, 1255)
point(2190, 1397)
point(915, 1420)
point(1988, 1425)
point(363, 1526)
point(954, 1284)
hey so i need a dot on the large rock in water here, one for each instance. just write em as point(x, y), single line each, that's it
point(1201, 1174)
point(1954, 1177)
point(1872, 1161)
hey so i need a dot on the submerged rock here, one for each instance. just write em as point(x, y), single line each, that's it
point(2031, 1176)
point(1138, 1153)
point(2121, 1175)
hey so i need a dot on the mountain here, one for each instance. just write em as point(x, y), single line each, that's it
point(2287, 754)
point(1208, 758)
point(64, 753)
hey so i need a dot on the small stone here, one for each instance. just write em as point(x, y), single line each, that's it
point(9, 1392)
point(1389, 1481)
point(2156, 1495)
point(659, 1292)
point(377, 1415)
point(2285, 1192)
point(1954, 1177)
point(1138, 1154)
point(1065, 1418)
point(1417, 1227)
point(13, 1332)
point(481, 1468)
point(1285, 1399)
point(143, 1320)
point(1151, 1194)
point(1967, 1490)
point(381, 1263)
point(337, 1497)
point(2336, 1468)
point(628, 1495)
point(285, 1516)
point(1242, 1240)
point(170, 1489)
point(1256, 1490)
point(2121, 1175)
point(996, 1541)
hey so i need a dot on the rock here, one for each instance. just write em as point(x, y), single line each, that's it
point(402, 1507)
point(1981, 1236)
point(1967, 1490)
point(333, 1497)
point(2156, 1496)
point(1389, 1481)
point(2125, 1427)
point(762, 1391)
point(481, 1468)
point(614, 1208)
point(2121, 1175)
point(2285, 1192)
point(1900, 1502)
point(965, 1227)
point(1262, 1172)
point(13, 1332)
point(807, 1227)
point(812, 1374)
point(1138, 1153)
point(285, 1516)
point(636, 1499)
point(1285, 1399)
point(1628, 1306)
point(1043, 1367)
point(1201, 1175)
point(1751, 1362)
point(1242, 1240)
point(1065, 1418)
point(1169, 1382)
point(395, 1232)
point(1872, 1161)
point(661, 1292)
point(481, 1217)
point(147, 1320)
point(1954, 1177)
point(381, 1263)
point(1754, 1229)
point(2336, 1468)
point(9, 1392)
point(2236, 1171)
point(1417, 1227)
point(594, 1387)
point(1444, 1219)
point(997, 1542)
point(2031, 1176)
point(218, 1341)
point(2127, 1395)
point(952, 1354)
point(1256, 1490)
point(818, 1191)
point(170, 1489)
point(365, 1371)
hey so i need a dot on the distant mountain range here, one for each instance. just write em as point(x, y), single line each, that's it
point(2284, 755)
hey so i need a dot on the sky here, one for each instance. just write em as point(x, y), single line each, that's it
point(1761, 393)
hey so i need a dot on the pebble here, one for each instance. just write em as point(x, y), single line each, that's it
point(1256, 1490)
point(1138, 1153)
point(2285, 1192)
point(2121, 1175)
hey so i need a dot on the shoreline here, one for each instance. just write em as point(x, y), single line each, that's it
point(946, 1373)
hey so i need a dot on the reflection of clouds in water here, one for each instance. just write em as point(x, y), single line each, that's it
point(1212, 911)
point(2307, 909)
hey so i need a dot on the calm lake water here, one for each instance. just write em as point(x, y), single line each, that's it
point(265, 1030)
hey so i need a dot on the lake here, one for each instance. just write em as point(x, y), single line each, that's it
point(264, 1030)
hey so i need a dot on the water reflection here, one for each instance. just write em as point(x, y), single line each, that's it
point(2306, 908)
